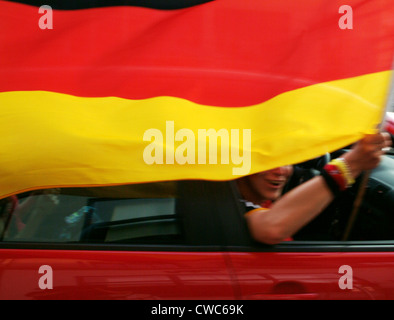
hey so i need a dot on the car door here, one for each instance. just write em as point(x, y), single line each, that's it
point(302, 272)
point(133, 242)
point(314, 269)
point(112, 274)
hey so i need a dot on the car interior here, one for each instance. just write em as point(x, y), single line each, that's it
point(373, 217)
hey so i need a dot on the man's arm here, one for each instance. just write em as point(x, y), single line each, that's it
point(299, 206)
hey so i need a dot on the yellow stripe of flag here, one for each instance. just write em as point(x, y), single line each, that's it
point(57, 140)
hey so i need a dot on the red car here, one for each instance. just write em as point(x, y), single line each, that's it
point(189, 240)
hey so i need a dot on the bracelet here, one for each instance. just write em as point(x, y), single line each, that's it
point(331, 183)
point(336, 174)
point(343, 166)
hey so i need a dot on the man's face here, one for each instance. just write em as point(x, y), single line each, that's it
point(269, 184)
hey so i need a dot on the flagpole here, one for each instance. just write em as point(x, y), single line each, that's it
point(363, 184)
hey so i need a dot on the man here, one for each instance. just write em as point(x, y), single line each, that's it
point(274, 218)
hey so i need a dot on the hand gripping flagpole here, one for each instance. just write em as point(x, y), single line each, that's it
point(363, 184)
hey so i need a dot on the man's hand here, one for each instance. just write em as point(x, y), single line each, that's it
point(366, 154)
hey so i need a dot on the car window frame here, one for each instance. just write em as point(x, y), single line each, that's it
point(217, 202)
point(239, 238)
point(207, 234)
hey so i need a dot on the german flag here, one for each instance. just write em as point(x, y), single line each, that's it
point(96, 93)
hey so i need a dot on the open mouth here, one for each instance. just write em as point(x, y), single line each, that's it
point(275, 184)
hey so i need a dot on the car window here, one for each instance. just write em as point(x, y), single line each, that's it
point(374, 218)
point(144, 213)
